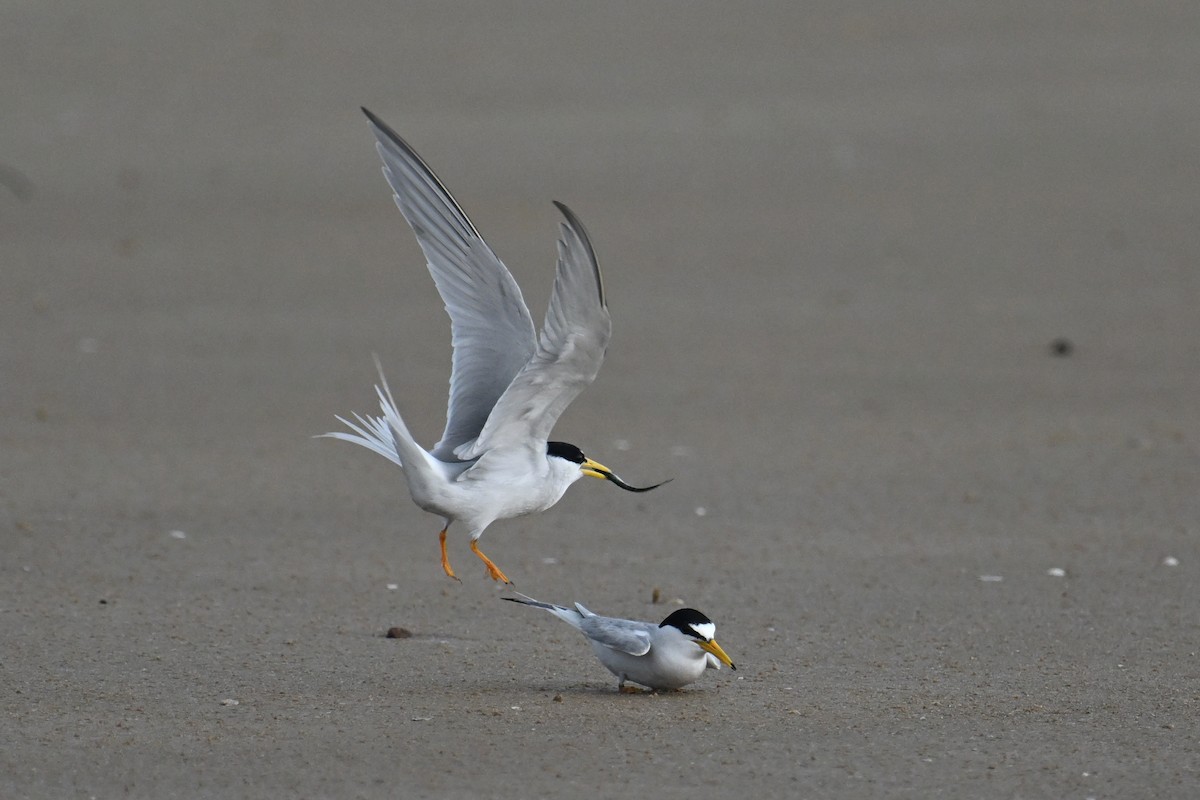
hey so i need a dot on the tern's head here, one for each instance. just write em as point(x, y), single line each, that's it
point(572, 454)
point(698, 628)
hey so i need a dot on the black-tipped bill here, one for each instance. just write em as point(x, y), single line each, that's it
point(715, 649)
point(598, 470)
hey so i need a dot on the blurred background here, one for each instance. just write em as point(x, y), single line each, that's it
point(904, 298)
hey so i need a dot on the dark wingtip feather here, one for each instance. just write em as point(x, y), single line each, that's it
point(407, 149)
point(391, 134)
point(579, 229)
point(526, 600)
point(376, 121)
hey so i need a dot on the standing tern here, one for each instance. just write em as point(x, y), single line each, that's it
point(669, 655)
point(508, 386)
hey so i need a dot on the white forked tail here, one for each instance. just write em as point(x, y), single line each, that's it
point(378, 434)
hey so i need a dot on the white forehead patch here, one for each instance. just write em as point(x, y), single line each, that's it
point(705, 630)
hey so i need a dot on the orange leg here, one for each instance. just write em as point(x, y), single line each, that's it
point(492, 569)
point(445, 559)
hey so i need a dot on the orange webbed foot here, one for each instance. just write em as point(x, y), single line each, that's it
point(493, 571)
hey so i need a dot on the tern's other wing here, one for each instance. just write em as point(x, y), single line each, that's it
point(624, 635)
point(490, 327)
point(569, 350)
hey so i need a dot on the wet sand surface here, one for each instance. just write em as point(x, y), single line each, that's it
point(838, 244)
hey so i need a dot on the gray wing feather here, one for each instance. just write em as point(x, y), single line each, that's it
point(624, 635)
point(490, 326)
point(569, 352)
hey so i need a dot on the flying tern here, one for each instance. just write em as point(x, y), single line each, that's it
point(508, 384)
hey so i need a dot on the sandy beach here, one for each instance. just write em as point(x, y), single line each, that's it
point(906, 300)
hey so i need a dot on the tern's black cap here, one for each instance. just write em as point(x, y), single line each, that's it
point(565, 451)
point(686, 620)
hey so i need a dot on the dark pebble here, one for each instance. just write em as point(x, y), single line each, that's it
point(1062, 347)
point(399, 633)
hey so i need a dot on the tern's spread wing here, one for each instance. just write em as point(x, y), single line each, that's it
point(569, 350)
point(624, 635)
point(490, 326)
